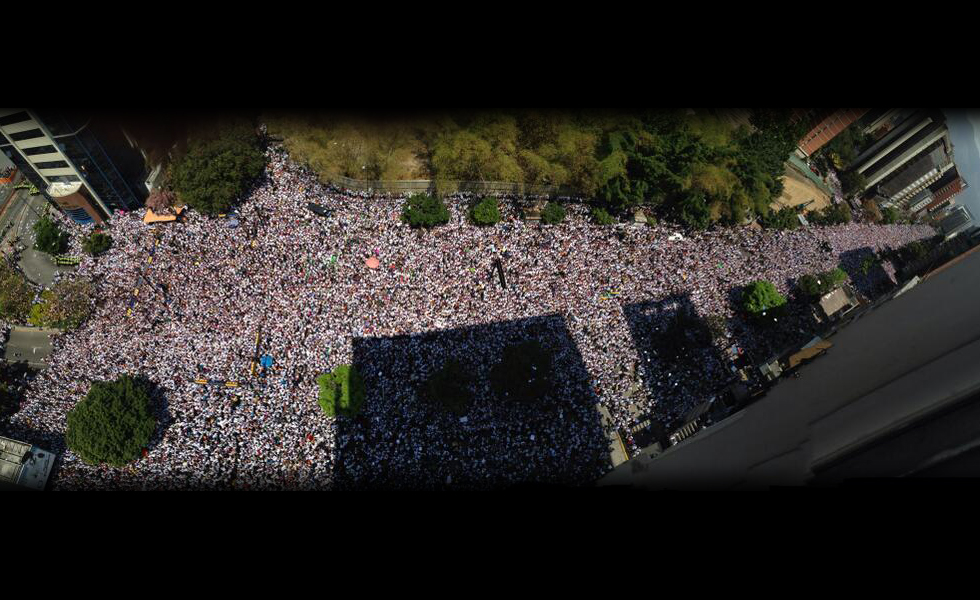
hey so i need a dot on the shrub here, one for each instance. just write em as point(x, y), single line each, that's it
point(422, 210)
point(341, 391)
point(450, 386)
point(819, 284)
point(784, 218)
point(485, 212)
point(112, 424)
point(49, 237)
point(891, 215)
point(553, 213)
point(837, 214)
point(601, 216)
point(96, 244)
point(760, 297)
point(523, 373)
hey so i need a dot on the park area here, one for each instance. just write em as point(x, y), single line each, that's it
point(187, 301)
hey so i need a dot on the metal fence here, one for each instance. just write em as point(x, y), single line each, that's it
point(449, 187)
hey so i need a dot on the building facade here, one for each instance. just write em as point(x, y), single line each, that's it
point(827, 127)
point(84, 152)
point(957, 220)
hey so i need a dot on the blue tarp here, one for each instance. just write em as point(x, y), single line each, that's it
point(266, 361)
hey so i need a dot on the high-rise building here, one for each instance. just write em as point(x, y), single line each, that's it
point(895, 396)
point(912, 154)
point(91, 156)
point(943, 191)
point(957, 220)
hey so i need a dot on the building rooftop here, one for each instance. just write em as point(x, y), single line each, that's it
point(896, 366)
point(24, 465)
point(61, 189)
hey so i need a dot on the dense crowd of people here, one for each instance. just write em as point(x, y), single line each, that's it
point(296, 282)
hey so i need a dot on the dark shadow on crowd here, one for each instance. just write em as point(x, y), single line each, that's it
point(404, 440)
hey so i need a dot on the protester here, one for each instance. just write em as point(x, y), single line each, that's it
point(300, 282)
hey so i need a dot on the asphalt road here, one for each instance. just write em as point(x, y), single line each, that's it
point(32, 346)
point(23, 212)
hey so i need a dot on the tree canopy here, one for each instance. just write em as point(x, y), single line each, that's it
point(341, 391)
point(817, 284)
point(49, 238)
point(423, 210)
point(113, 423)
point(96, 243)
point(835, 214)
point(217, 169)
point(486, 212)
point(760, 297)
point(553, 213)
point(15, 293)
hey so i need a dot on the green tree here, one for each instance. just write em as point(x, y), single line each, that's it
point(761, 297)
point(818, 284)
point(15, 293)
point(890, 215)
point(784, 218)
point(422, 210)
point(49, 238)
point(450, 387)
point(217, 169)
point(485, 212)
point(835, 214)
point(112, 424)
point(524, 372)
point(601, 216)
point(96, 243)
point(852, 183)
point(341, 391)
point(553, 213)
point(692, 212)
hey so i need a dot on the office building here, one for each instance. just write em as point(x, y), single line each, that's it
point(913, 151)
point(23, 466)
point(897, 395)
point(90, 154)
point(957, 220)
point(945, 190)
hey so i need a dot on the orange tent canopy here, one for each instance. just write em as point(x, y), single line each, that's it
point(373, 262)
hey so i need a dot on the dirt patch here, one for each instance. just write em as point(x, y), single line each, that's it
point(798, 189)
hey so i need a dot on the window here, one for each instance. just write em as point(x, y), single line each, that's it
point(52, 164)
point(63, 178)
point(15, 118)
point(30, 134)
point(39, 150)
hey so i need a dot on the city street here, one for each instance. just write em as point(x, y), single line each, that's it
point(23, 211)
point(28, 344)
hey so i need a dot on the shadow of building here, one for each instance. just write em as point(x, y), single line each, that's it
point(403, 440)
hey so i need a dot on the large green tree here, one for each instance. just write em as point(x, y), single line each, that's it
point(49, 237)
point(217, 168)
point(113, 423)
point(96, 243)
point(423, 210)
point(760, 297)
